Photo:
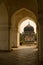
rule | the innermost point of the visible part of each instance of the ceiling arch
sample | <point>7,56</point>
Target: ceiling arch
<point>20,14</point>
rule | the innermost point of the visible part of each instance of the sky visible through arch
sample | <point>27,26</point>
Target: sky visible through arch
<point>25,23</point>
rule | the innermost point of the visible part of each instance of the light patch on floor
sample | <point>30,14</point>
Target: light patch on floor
<point>25,47</point>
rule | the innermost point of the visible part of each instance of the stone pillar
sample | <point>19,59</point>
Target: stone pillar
<point>18,39</point>
<point>3,28</point>
<point>39,42</point>
<point>41,39</point>
<point>13,38</point>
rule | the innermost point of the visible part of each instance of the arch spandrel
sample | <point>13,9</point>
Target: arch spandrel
<point>20,14</point>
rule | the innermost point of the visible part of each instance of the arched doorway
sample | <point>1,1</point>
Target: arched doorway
<point>16,19</point>
<point>29,36</point>
<point>21,14</point>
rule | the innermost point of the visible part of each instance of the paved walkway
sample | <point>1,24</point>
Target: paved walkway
<point>20,56</point>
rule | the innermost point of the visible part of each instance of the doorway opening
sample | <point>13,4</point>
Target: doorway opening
<point>21,22</point>
<point>24,24</point>
<point>28,35</point>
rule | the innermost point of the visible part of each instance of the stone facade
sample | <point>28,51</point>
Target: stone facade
<point>29,33</point>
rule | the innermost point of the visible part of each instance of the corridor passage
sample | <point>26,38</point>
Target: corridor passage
<point>20,56</point>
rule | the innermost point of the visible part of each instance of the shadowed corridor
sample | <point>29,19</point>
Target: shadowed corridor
<point>20,56</point>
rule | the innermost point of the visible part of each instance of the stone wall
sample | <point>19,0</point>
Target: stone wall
<point>3,27</point>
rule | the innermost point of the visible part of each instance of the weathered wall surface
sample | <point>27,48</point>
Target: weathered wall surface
<point>3,27</point>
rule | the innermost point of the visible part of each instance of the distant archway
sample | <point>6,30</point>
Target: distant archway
<point>27,21</point>
<point>24,22</point>
<point>16,19</point>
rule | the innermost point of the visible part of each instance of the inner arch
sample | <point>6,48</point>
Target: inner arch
<point>25,23</point>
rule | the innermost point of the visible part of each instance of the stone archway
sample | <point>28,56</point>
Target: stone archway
<point>15,20</point>
<point>22,22</point>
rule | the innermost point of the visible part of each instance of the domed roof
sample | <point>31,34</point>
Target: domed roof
<point>28,28</point>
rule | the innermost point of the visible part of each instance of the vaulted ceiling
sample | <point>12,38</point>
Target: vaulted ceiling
<point>14,5</point>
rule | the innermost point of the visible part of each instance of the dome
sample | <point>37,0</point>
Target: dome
<point>28,28</point>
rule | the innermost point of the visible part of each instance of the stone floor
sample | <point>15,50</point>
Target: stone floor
<point>20,56</point>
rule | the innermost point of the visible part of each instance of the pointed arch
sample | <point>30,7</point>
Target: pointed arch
<point>16,19</point>
<point>20,14</point>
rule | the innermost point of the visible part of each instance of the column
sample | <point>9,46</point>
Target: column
<point>13,38</point>
<point>41,39</point>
